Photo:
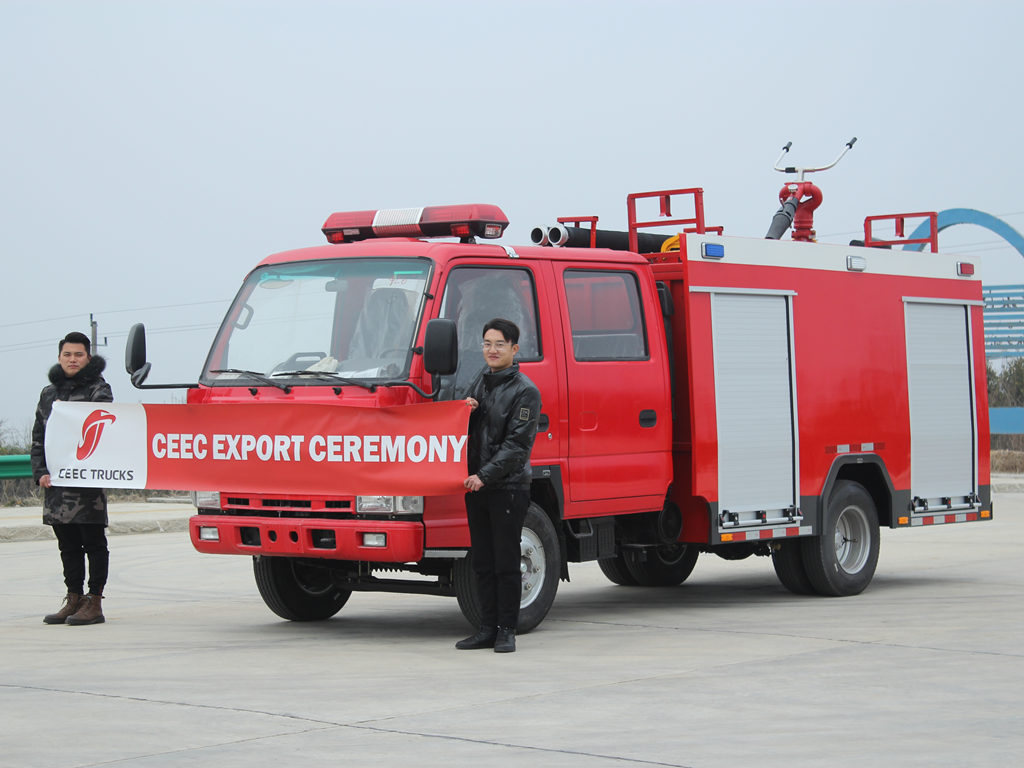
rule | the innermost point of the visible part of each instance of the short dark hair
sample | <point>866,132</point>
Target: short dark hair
<point>508,329</point>
<point>75,338</point>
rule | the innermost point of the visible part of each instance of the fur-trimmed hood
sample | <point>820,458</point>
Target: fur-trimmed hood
<point>92,371</point>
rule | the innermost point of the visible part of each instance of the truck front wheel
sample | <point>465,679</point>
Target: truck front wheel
<point>297,591</point>
<point>539,567</point>
<point>841,561</point>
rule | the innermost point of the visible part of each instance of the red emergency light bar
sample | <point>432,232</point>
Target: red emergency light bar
<point>462,221</point>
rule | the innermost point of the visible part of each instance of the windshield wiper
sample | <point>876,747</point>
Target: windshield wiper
<point>329,376</point>
<point>255,375</point>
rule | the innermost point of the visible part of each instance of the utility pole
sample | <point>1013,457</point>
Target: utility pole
<point>93,326</point>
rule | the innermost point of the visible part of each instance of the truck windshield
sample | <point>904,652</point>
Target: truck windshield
<point>315,321</point>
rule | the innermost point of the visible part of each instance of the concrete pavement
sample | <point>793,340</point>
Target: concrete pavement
<point>729,669</point>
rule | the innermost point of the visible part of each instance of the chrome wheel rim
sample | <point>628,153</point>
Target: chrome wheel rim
<point>852,539</point>
<point>531,566</point>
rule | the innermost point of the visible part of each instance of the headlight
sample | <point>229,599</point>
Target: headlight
<point>205,499</point>
<point>409,505</point>
<point>389,505</point>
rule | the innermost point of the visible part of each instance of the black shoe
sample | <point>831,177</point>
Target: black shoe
<point>505,642</point>
<point>484,638</point>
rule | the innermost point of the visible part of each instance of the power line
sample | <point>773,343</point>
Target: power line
<point>113,312</point>
<point>23,346</point>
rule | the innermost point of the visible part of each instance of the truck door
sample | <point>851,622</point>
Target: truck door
<point>475,294</point>
<point>619,414</point>
<point>943,424</point>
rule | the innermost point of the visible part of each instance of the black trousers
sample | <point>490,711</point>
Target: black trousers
<point>76,542</point>
<point>495,526</point>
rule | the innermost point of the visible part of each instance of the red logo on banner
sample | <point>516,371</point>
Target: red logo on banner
<point>92,429</point>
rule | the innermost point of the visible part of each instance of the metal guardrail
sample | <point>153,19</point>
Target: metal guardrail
<point>15,466</point>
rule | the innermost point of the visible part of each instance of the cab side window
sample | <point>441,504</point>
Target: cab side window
<point>475,295</point>
<point>605,316</point>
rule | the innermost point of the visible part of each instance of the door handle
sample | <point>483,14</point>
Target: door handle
<point>648,418</point>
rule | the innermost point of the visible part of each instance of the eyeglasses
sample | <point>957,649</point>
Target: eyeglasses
<point>497,346</point>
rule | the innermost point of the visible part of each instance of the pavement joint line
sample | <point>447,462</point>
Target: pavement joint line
<point>762,633</point>
<point>327,724</point>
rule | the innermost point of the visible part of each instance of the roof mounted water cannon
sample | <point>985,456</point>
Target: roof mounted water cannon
<point>799,199</point>
<point>465,222</point>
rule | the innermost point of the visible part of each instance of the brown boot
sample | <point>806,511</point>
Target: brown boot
<point>71,604</point>
<point>89,612</point>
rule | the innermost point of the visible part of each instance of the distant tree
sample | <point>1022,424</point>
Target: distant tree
<point>1006,388</point>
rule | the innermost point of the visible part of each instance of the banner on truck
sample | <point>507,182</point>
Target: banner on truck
<point>260,448</point>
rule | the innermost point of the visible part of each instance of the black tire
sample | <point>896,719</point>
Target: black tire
<point>616,571</point>
<point>842,560</point>
<point>297,591</point>
<point>667,565</point>
<point>541,565</point>
<point>789,567</point>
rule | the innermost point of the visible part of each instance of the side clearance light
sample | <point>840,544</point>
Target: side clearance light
<point>965,269</point>
<point>462,221</point>
<point>712,250</point>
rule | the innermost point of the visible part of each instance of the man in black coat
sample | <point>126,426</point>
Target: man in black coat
<point>78,515</point>
<point>502,428</point>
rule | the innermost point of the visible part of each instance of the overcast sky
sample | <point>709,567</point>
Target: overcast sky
<point>153,152</point>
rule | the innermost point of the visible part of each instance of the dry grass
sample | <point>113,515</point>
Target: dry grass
<point>1011,462</point>
<point>23,492</point>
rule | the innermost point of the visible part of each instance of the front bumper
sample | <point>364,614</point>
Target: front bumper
<point>309,537</point>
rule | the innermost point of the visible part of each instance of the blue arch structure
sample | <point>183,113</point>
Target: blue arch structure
<point>953,216</point>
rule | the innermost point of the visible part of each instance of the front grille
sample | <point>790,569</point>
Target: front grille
<point>290,506</point>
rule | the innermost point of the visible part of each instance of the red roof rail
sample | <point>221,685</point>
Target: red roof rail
<point>693,223</point>
<point>900,228</point>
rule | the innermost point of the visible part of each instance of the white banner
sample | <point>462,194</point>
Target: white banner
<point>97,445</point>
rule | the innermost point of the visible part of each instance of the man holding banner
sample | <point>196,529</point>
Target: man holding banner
<point>78,515</point>
<point>505,409</point>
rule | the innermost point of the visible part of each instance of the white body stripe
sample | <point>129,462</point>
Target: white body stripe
<point>797,255</point>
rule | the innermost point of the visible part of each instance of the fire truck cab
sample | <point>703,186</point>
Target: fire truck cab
<point>723,395</point>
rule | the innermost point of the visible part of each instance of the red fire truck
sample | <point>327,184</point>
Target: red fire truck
<point>701,394</point>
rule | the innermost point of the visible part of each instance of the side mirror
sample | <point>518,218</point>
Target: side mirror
<point>136,364</point>
<point>441,347</point>
<point>135,354</point>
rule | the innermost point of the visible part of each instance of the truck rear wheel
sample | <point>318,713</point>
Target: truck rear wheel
<point>842,560</point>
<point>667,565</point>
<point>297,591</point>
<point>616,570</point>
<point>539,566</point>
<point>789,567</point>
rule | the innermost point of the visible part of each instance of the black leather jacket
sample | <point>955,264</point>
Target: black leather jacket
<point>502,428</point>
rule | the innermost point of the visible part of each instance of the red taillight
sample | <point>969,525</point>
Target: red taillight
<point>461,221</point>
